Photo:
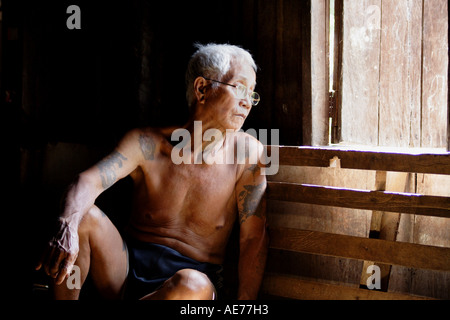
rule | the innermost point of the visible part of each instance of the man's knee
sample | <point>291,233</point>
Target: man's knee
<point>90,221</point>
<point>193,284</point>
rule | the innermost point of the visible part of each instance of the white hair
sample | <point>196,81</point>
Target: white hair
<point>213,61</point>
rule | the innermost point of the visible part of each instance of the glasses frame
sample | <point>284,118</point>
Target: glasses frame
<point>253,100</point>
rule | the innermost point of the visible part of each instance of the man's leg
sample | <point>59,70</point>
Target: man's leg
<point>186,284</point>
<point>102,253</point>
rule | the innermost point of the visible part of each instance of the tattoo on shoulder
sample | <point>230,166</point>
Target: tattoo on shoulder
<point>148,146</point>
<point>108,166</point>
<point>248,201</point>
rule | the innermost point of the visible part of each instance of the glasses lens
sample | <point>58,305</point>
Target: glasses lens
<point>241,91</point>
<point>255,98</point>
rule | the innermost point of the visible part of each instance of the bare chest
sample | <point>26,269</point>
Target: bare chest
<point>169,193</point>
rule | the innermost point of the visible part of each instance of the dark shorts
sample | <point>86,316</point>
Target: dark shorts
<point>150,265</point>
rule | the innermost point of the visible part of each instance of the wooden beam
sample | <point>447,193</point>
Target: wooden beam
<point>374,233</point>
<point>365,160</point>
<point>379,251</point>
<point>295,288</point>
<point>385,225</point>
<point>410,203</point>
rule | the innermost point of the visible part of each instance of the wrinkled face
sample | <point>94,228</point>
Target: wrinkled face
<point>228,111</point>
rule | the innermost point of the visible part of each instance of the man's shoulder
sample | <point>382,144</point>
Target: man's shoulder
<point>244,138</point>
<point>142,138</point>
<point>146,133</point>
<point>247,147</point>
<point>146,139</point>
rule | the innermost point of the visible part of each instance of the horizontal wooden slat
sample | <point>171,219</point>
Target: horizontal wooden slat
<point>366,160</point>
<point>379,251</point>
<point>360,199</point>
<point>294,288</point>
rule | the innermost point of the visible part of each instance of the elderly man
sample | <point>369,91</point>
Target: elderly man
<point>183,213</point>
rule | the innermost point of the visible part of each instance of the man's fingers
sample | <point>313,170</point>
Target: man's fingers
<point>47,260</point>
<point>55,263</point>
<point>64,271</point>
<point>60,254</point>
<point>66,266</point>
<point>45,256</point>
<point>43,259</point>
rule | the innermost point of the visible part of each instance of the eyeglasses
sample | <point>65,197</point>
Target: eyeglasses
<point>241,92</point>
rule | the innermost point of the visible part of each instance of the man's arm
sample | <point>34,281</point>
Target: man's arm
<point>62,250</point>
<point>253,235</point>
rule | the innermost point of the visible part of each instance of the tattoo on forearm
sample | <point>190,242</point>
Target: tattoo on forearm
<point>148,147</point>
<point>107,168</point>
<point>249,200</point>
<point>255,170</point>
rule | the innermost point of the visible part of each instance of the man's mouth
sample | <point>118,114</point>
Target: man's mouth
<point>240,115</point>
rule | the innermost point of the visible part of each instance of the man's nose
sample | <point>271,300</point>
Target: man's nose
<point>245,102</point>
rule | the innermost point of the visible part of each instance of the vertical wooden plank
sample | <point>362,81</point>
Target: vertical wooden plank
<point>336,99</point>
<point>435,70</point>
<point>385,225</point>
<point>435,134</point>
<point>400,73</point>
<point>292,68</point>
<point>448,77</point>
<point>265,52</point>
<point>306,53</point>
<point>248,23</point>
<point>283,47</point>
<point>375,224</point>
<point>361,71</point>
<point>315,124</point>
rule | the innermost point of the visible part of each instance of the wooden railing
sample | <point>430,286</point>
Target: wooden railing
<point>378,251</point>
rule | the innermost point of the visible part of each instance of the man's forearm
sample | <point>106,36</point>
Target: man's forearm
<point>252,262</point>
<point>78,199</point>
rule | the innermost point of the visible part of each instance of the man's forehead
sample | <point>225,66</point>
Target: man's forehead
<point>244,72</point>
<point>250,81</point>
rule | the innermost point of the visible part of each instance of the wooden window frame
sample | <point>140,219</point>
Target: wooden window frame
<point>330,106</point>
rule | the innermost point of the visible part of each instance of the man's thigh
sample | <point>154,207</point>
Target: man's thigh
<point>108,256</point>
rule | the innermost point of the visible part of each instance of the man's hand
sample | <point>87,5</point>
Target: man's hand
<point>61,253</point>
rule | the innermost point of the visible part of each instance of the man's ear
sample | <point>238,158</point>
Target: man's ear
<point>200,85</point>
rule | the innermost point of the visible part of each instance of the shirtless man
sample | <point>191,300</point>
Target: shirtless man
<point>182,213</point>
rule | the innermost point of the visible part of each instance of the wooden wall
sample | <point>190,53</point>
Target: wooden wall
<point>126,65</point>
<point>394,76</point>
<point>276,32</point>
<point>125,68</point>
<point>76,92</point>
